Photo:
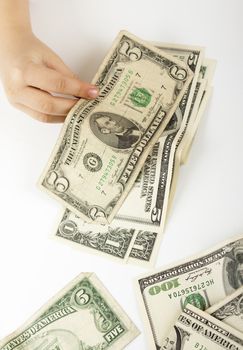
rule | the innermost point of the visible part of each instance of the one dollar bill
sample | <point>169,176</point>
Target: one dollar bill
<point>113,241</point>
<point>195,329</point>
<point>104,142</point>
<point>202,280</point>
<point>82,316</point>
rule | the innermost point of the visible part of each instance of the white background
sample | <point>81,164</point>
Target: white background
<point>208,202</point>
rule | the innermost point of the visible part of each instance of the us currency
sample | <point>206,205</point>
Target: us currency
<point>81,316</point>
<point>183,135</point>
<point>198,105</point>
<point>104,142</point>
<point>187,108</point>
<point>171,160</point>
<point>195,329</point>
<point>108,240</point>
<point>173,163</point>
<point>200,101</point>
<point>155,197</point>
<point>205,79</point>
<point>206,74</point>
<point>143,207</point>
<point>201,111</point>
<point>202,280</point>
<point>230,310</point>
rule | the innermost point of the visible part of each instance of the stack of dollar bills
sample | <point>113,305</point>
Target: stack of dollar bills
<point>116,161</point>
<point>196,303</point>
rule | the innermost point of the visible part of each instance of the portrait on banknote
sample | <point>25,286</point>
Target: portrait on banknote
<point>234,269</point>
<point>114,130</point>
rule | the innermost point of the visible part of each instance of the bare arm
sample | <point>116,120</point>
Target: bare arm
<point>30,70</point>
<point>14,13</point>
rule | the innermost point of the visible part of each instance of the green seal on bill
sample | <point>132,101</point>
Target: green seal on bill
<point>140,97</point>
<point>196,300</point>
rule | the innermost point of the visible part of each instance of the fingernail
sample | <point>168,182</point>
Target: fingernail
<point>93,92</point>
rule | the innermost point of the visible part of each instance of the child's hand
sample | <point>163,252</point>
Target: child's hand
<point>30,71</point>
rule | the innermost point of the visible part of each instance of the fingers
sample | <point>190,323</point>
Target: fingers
<point>48,79</point>
<point>42,117</point>
<point>44,102</point>
<point>29,88</point>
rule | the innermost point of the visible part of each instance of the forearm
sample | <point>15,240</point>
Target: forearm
<point>14,17</point>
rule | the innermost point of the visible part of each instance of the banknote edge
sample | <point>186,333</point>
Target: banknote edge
<point>224,301</point>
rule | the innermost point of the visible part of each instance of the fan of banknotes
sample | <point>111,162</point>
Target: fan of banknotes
<point>116,161</point>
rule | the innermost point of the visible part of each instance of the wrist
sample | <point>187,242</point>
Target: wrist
<point>14,37</point>
<point>14,17</point>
